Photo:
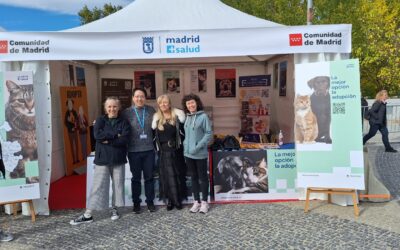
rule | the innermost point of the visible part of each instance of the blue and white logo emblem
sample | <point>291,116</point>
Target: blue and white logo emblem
<point>148,45</point>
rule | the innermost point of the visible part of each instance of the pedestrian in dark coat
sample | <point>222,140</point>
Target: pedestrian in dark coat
<point>377,120</point>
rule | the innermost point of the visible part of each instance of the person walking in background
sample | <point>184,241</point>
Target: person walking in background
<point>168,124</point>
<point>70,122</point>
<point>111,132</point>
<point>82,130</point>
<point>378,121</point>
<point>141,153</point>
<point>198,133</point>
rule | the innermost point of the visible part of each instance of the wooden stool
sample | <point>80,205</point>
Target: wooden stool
<point>329,192</point>
<point>14,207</point>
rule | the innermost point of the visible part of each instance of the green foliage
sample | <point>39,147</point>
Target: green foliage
<point>86,15</point>
<point>375,32</point>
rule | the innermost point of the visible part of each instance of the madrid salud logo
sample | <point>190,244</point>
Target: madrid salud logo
<point>295,39</point>
<point>3,46</point>
<point>148,44</point>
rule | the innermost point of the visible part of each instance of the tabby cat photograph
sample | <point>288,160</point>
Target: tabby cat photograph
<point>20,115</point>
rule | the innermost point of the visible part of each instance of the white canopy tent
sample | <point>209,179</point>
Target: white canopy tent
<point>159,32</point>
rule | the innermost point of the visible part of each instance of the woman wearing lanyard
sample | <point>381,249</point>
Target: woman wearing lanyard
<point>141,153</point>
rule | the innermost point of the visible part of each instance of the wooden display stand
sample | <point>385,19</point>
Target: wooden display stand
<point>14,207</point>
<point>329,192</point>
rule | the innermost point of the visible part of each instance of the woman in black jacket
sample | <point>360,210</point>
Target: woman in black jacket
<point>377,120</point>
<point>111,132</point>
<point>168,126</point>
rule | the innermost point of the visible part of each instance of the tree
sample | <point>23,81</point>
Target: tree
<point>375,39</point>
<point>375,32</point>
<point>86,15</point>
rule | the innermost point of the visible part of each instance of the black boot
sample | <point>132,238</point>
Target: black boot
<point>170,205</point>
<point>179,206</point>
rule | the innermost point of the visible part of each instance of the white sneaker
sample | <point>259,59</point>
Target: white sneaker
<point>4,237</point>
<point>196,207</point>
<point>204,207</point>
<point>114,214</point>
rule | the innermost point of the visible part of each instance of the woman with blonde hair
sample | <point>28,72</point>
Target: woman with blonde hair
<point>377,120</point>
<point>168,125</point>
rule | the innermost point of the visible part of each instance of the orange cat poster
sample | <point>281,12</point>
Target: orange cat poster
<point>74,110</point>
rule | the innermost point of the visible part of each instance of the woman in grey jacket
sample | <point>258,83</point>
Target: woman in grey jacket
<point>198,133</point>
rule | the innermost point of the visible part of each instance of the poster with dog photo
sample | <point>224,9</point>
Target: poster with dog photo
<point>147,81</point>
<point>328,128</point>
<point>171,81</point>
<point>240,175</point>
<point>313,109</point>
<point>19,168</point>
<point>225,83</point>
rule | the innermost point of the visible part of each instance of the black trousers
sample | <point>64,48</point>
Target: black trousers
<point>142,162</point>
<point>198,169</point>
<point>372,132</point>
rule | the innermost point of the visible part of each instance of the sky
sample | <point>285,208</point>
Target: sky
<point>46,15</point>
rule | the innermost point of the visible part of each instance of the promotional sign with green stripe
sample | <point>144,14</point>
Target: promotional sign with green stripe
<point>328,125</point>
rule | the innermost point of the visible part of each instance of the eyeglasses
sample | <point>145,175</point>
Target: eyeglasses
<point>139,97</point>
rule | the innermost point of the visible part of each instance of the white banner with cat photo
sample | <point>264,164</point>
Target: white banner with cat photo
<point>328,129</point>
<point>19,175</point>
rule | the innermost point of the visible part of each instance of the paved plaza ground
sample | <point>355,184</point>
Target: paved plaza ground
<point>281,225</point>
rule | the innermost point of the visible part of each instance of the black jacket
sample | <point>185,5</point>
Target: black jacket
<point>111,141</point>
<point>378,113</point>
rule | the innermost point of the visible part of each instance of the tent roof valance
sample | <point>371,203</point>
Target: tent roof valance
<point>161,15</point>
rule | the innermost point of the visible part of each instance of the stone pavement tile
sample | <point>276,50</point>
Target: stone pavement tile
<point>383,215</point>
<point>230,226</point>
<point>387,167</point>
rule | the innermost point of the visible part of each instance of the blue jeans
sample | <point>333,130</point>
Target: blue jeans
<point>142,162</point>
<point>373,129</point>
